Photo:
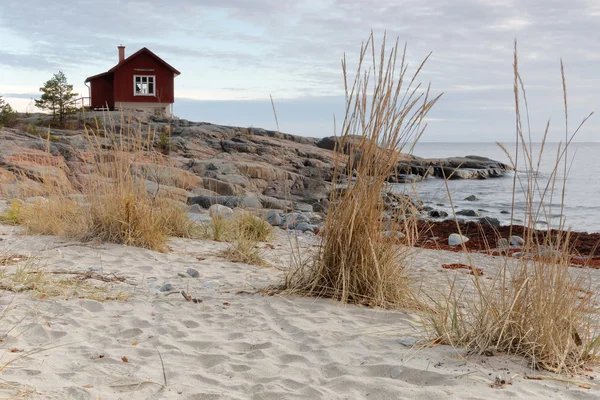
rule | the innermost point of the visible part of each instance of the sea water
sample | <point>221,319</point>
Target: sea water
<point>581,207</point>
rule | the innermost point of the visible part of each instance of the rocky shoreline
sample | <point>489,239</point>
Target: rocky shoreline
<point>209,164</point>
<point>284,177</point>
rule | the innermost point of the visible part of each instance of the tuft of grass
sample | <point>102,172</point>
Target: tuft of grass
<point>246,225</point>
<point>244,250</point>
<point>536,307</point>
<point>28,276</point>
<point>254,228</point>
<point>118,207</point>
<point>221,228</point>
<point>13,215</point>
<point>32,129</point>
<point>355,262</point>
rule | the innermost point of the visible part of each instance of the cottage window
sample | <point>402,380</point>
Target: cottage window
<point>143,85</point>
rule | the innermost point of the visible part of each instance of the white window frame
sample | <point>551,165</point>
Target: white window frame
<point>153,94</point>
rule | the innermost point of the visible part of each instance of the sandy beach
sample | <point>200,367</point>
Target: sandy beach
<point>236,343</point>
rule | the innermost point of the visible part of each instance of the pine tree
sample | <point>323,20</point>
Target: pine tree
<point>7,115</point>
<point>56,97</point>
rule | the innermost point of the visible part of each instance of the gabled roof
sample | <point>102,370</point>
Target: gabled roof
<point>131,57</point>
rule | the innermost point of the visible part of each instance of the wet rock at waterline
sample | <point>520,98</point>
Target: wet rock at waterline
<point>437,214</point>
<point>472,198</point>
<point>468,213</point>
<point>489,221</point>
<point>468,167</point>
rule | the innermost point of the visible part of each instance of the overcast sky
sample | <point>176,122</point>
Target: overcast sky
<point>233,54</point>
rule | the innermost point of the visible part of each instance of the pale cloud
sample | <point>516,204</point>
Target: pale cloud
<point>241,50</point>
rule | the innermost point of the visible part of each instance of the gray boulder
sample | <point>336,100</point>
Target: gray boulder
<point>305,227</point>
<point>489,221</point>
<point>218,210</point>
<point>472,198</point>
<point>468,213</point>
<point>229,201</point>
<point>292,219</point>
<point>273,218</point>
<point>455,239</point>
<point>303,207</point>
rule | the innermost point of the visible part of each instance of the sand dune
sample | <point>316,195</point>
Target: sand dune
<point>236,344</point>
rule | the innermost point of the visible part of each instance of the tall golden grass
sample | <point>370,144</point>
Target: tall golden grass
<point>119,201</point>
<point>385,110</point>
<point>535,306</point>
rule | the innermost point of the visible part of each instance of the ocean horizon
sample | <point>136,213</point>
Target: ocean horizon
<point>581,211</point>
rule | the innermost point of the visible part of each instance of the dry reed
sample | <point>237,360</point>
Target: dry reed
<point>384,111</point>
<point>536,306</point>
<point>120,201</point>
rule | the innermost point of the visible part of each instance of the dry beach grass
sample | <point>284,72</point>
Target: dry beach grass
<point>356,262</point>
<point>534,306</point>
<point>117,204</point>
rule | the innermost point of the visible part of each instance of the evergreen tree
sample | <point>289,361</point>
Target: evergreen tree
<point>7,115</point>
<point>57,96</point>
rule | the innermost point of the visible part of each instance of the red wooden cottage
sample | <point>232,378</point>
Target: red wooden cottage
<point>143,81</point>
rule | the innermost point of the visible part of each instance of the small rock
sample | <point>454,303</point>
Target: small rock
<point>502,244</point>
<point>182,275</point>
<point>397,235</point>
<point>504,212</point>
<point>472,198</point>
<point>218,210</point>
<point>303,207</point>
<point>489,221</point>
<point>193,272</point>
<point>96,269</point>
<point>166,287</point>
<point>273,218</point>
<point>516,241</point>
<point>455,239</point>
<point>407,341</point>
<point>291,220</point>
<point>305,226</point>
<point>438,214</point>
<point>468,213</point>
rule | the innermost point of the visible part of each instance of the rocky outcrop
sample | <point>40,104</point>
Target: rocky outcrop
<point>208,164</point>
<point>468,167</point>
